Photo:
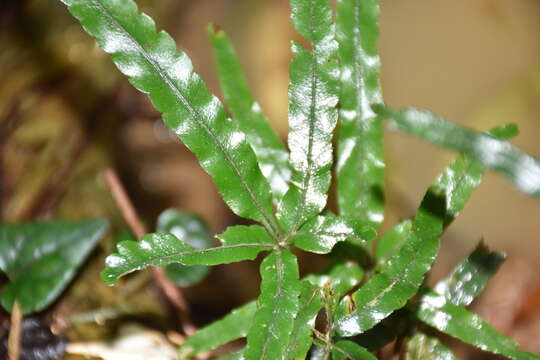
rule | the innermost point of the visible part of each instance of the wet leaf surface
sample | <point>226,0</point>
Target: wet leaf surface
<point>360,157</point>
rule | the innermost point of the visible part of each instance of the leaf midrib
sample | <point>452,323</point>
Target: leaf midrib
<point>307,178</point>
<point>201,251</point>
<point>197,117</point>
<point>361,93</point>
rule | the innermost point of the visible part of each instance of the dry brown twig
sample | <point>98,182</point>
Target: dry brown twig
<point>167,287</point>
<point>14,340</point>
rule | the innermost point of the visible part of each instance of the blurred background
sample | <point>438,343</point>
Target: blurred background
<point>66,114</point>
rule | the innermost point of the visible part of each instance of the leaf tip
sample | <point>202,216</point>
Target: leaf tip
<point>215,31</point>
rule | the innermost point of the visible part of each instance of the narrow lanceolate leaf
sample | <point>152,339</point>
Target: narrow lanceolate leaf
<point>456,185</point>
<point>437,311</point>
<point>154,66</point>
<point>463,176</point>
<point>238,243</point>
<point>424,347</point>
<point>522,169</point>
<point>193,231</point>
<point>270,151</point>
<point>399,278</point>
<point>348,350</point>
<point>277,307</point>
<point>360,158</point>
<point>470,277</point>
<point>41,258</point>
<point>233,326</point>
<point>311,300</point>
<point>313,96</point>
<point>321,233</point>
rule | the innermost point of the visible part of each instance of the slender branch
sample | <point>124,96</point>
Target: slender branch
<point>167,287</point>
<point>14,340</point>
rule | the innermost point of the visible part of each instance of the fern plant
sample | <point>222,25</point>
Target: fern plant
<point>334,83</point>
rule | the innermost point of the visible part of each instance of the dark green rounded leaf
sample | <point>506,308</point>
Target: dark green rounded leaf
<point>40,259</point>
<point>192,230</point>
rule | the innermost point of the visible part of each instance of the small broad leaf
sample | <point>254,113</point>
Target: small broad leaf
<point>277,307</point>
<point>470,277</point>
<point>313,96</point>
<point>360,158</point>
<point>40,259</point>
<point>522,169</point>
<point>186,275</point>
<point>437,311</point>
<point>424,347</point>
<point>233,326</point>
<point>392,241</point>
<point>192,230</point>
<point>270,151</point>
<point>348,350</point>
<point>321,233</point>
<point>238,243</point>
<point>154,66</point>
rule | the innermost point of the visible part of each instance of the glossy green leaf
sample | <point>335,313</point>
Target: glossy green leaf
<point>313,96</point>
<point>424,347</point>
<point>522,169</point>
<point>41,258</point>
<point>154,66</point>
<point>238,243</point>
<point>392,241</point>
<point>456,184</point>
<point>311,301</point>
<point>321,233</point>
<point>360,157</point>
<point>186,275</point>
<point>463,176</point>
<point>233,326</point>
<point>348,350</point>
<point>400,277</point>
<point>192,230</point>
<point>277,307</point>
<point>470,277</point>
<point>437,311</point>
<point>270,151</point>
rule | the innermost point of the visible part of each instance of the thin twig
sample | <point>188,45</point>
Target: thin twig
<point>14,340</point>
<point>167,287</point>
